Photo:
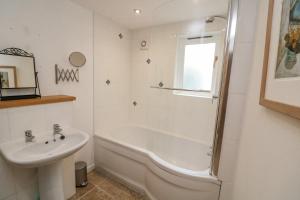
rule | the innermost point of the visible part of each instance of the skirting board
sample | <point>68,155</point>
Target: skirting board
<point>90,167</point>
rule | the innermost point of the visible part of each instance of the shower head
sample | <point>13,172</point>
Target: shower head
<point>211,19</point>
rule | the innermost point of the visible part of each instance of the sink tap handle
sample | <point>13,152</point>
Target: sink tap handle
<point>28,133</point>
<point>56,126</point>
<point>28,136</point>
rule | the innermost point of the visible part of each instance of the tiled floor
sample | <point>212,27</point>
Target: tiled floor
<point>101,187</point>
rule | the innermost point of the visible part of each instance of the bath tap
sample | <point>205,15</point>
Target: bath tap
<point>210,152</point>
<point>57,131</point>
<point>28,136</point>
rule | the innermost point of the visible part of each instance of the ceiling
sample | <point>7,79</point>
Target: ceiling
<point>155,12</point>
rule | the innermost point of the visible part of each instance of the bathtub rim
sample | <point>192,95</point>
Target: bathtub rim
<point>169,168</point>
<point>176,135</point>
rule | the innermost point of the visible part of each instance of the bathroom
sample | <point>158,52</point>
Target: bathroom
<point>114,87</point>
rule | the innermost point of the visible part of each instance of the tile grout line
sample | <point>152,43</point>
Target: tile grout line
<point>89,191</point>
<point>86,193</point>
<point>99,188</point>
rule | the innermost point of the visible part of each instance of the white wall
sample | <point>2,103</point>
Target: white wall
<point>112,62</point>
<point>268,165</point>
<point>51,30</point>
<point>188,116</point>
<point>123,63</point>
<point>239,81</point>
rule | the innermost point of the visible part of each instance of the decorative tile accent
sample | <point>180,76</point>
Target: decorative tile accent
<point>107,82</point>
<point>161,84</point>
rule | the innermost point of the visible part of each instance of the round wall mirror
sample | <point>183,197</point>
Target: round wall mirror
<point>77,59</point>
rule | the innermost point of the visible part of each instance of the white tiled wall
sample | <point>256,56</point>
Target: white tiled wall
<point>123,63</point>
<point>111,62</point>
<point>18,182</point>
<point>239,81</point>
<point>187,116</point>
<point>267,164</point>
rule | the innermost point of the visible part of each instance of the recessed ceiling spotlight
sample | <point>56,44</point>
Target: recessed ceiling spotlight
<point>137,11</point>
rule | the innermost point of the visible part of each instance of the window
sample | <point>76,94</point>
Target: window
<point>196,59</point>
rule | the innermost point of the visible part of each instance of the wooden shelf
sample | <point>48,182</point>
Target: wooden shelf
<point>36,101</point>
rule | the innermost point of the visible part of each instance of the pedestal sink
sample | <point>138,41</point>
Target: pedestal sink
<point>47,156</point>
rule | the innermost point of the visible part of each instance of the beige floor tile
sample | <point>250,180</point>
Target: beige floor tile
<point>97,194</point>
<point>80,191</point>
<point>96,178</point>
<point>101,187</point>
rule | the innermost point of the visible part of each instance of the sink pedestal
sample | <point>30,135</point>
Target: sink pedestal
<point>48,157</point>
<point>51,181</point>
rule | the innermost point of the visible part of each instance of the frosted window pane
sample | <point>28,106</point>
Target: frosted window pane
<point>198,66</point>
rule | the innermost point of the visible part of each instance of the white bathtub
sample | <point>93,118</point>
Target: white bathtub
<point>166,167</point>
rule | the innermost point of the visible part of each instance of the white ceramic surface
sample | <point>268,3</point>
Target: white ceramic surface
<point>38,153</point>
<point>165,166</point>
<point>180,153</point>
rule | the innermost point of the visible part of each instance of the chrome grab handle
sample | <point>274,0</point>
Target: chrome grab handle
<point>178,89</point>
<point>214,97</point>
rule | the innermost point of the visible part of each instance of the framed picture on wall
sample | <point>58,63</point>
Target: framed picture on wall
<point>280,84</point>
<point>8,77</point>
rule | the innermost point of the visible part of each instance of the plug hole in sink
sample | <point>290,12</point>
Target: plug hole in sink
<point>46,142</point>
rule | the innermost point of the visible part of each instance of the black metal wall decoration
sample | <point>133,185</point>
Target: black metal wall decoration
<point>77,60</point>
<point>62,75</point>
<point>16,52</point>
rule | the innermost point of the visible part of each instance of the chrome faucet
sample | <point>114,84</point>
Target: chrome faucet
<point>28,136</point>
<point>57,130</point>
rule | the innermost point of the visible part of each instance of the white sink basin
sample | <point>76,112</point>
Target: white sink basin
<point>43,151</point>
<point>46,155</point>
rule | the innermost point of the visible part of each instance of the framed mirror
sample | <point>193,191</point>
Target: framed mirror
<point>18,73</point>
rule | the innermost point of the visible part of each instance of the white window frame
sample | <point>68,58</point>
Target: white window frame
<point>179,72</point>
